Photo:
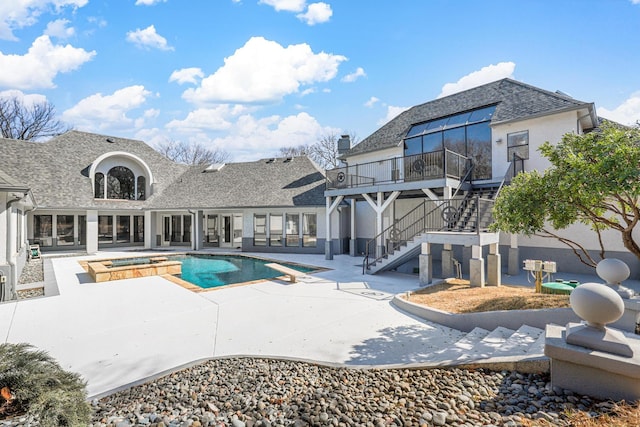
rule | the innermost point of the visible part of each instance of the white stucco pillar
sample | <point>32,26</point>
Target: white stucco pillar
<point>328,246</point>
<point>353,243</point>
<point>148,230</point>
<point>476,267</point>
<point>92,231</point>
<point>198,233</point>
<point>494,267</point>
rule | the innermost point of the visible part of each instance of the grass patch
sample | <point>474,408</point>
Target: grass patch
<point>457,296</point>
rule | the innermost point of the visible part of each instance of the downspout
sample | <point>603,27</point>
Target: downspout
<point>10,262</point>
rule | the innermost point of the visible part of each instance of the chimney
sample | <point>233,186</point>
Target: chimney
<point>344,144</point>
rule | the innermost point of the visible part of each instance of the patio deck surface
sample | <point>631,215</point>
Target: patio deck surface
<point>116,333</point>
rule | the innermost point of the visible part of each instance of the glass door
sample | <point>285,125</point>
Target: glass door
<point>227,224</point>
<point>166,230</point>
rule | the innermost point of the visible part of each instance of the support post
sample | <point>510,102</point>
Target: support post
<point>353,242</point>
<point>476,267</point>
<point>148,230</point>
<point>514,256</point>
<point>447,261</point>
<point>426,270</point>
<point>328,244</point>
<point>494,269</point>
<point>92,232</point>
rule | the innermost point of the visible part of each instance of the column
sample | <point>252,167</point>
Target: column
<point>494,267</point>
<point>514,256</point>
<point>476,267</point>
<point>447,261</point>
<point>148,230</point>
<point>328,246</point>
<point>92,232</point>
<point>199,232</point>
<point>353,243</point>
<point>426,270</point>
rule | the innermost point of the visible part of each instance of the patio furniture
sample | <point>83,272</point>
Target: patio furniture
<point>34,251</point>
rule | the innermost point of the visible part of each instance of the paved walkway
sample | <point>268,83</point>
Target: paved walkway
<point>118,332</point>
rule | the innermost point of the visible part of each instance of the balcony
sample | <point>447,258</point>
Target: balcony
<point>420,167</point>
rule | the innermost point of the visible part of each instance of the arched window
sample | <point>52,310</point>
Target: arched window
<point>121,183</point>
<point>142,182</point>
<point>98,191</point>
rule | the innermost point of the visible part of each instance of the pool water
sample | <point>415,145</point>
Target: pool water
<point>210,271</point>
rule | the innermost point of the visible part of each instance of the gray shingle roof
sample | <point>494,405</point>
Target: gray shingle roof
<point>514,101</point>
<point>278,183</point>
<point>57,170</point>
<point>8,183</point>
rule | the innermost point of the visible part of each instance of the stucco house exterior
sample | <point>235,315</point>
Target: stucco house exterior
<point>421,188</point>
<point>96,192</point>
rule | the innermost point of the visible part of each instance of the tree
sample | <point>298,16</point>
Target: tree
<point>324,151</point>
<point>29,122</point>
<point>191,154</point>
<point>594,179</point>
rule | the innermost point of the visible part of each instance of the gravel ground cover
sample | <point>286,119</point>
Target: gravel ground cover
<point>32,272</point>
<point>250,392</point>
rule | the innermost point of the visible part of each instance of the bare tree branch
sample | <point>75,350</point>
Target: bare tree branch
<point>29,122</point>
<point>191,154</point>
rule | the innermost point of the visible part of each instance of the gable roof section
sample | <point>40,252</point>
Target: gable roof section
<point>9,184</point>
<point>57,170</point>
<point>264,183</point>
<point>514,101</point>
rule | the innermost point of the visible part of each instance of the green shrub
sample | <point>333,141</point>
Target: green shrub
<point>42,388</point>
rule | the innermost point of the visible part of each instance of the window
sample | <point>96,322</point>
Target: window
<point>275,230</point>
<point>43,229</point>
<point>142,183</point>
<point>518,144</point>
<point>259,230</point>
<point>309,230</point>
<point>121,183</point>
<point>64,230</point>
<point>467,133</point>
<point>82,230</point>
<point>176,228</point>
<point>186,228</point>
<point>99,186</point>
<point>212,229</point>
<point>138,229</point>
<point>105,229</point>
<point>123,229</point>
<point>293,230</point>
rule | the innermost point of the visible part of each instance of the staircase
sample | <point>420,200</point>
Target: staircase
<point>480,344</point>
<point>402,241</point>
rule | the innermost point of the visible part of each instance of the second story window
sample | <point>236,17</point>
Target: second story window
<point>518,144</point>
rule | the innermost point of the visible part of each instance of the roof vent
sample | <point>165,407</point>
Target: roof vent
<point>270,161</point>
<point>287,160</point>
<point>559,92</point>
<point>215,167</point>
<point>110,141</point>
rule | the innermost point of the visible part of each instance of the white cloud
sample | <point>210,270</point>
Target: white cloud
<point>40,65</point>
<point>286,5</point>
<point>308,91</point>
<point>99,112</point>
<point>148,38</point>
<point>627,113</point>
<point>24,13</point>
<point>317,13</point>
<point>186,75</point>
<point>26,99</point>
<point>255,138</point>
<point>263,71</point>
<point>217,118</point>
<point>485,75</point>
<point>59,29</point>
<point>371,102</point>
<point>349,78</point>
<point>148,2</point>
<point>392,112</point>
<point>635,1</point>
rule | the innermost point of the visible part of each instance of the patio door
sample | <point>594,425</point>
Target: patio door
<point>226,235</point>
<point>166,230</point>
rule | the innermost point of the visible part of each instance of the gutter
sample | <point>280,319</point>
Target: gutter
<point>548,113</point>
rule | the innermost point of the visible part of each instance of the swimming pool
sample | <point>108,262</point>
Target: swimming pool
<point>210,271</point>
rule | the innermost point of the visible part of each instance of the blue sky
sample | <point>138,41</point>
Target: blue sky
<point>250,76</point>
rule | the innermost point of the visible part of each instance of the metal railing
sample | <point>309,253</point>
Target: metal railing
<point>471,213</point>
<point>418,167</point>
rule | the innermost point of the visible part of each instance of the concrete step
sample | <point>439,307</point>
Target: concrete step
<point>463,346</point>
<point>488,346</point>
<point>521,340</point>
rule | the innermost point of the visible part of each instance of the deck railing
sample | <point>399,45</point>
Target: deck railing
<point>418,167</point>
